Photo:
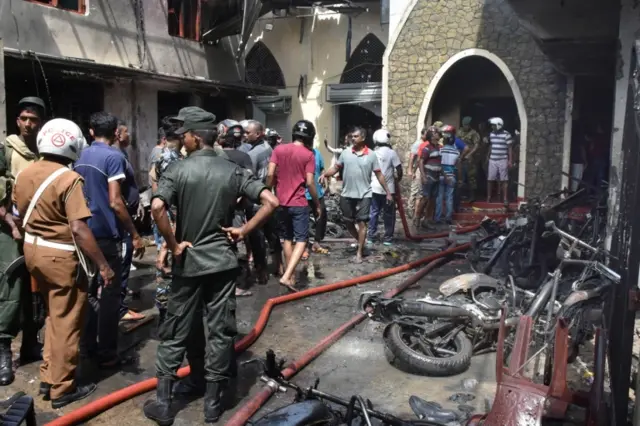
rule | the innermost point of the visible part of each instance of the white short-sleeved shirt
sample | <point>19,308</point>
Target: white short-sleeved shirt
<point>388,160</point>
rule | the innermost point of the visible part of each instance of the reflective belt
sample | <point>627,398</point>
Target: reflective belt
<point>32,239</point>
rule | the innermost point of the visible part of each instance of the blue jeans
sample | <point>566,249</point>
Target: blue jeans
<point>127,259</point>
<point>379,205</point>
<point>446,189</point>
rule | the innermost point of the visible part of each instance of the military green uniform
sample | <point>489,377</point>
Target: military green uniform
<point>471,138</point>
<point>204,281</point>
<point>16,307</point>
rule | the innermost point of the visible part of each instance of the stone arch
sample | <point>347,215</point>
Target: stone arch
<point>515,89</point>
<point>365,63</point>
<point>262,68</point>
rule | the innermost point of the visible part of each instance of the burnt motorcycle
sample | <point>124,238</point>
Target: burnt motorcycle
<point>312,407</point>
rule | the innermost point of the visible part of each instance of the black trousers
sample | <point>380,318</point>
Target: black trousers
<point>100,337</point>
<point>268,233</point>
<point>321,224</point>
<point>200,309</point>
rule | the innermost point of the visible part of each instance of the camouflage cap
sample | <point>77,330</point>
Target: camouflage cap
<point>466,121</point>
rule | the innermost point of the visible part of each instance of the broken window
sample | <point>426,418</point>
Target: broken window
<point>184,18</point>
<point>71,5</point>
<point>262,68</point>
<point>365,63</point>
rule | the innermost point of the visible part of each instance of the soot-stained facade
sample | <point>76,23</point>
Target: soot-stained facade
<point>434,32</point>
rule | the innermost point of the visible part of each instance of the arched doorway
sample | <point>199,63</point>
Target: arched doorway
<point>477,83</point>
<point>363,70</point>
<point>262,68</point>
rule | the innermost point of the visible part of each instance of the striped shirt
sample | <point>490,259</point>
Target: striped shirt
<point>500,142</point>
<point>449,158</point>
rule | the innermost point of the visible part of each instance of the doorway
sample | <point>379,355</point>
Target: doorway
<point>355,115</point>
<point>474,86</point>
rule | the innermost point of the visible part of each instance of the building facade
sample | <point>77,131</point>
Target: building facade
<point>140,60</point>
<point>326,66</point>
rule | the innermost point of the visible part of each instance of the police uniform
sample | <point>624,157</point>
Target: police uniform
<point>16,307</point>
<point>49,197</point>
<point>52,261</point>
<point>204,280</point>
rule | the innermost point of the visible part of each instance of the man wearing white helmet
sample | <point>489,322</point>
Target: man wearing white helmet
<point>500,158</point>
<point>389,163</point>
<point>49,198</point>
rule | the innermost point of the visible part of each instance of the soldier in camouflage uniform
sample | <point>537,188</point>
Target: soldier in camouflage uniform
<point>16,301</point>
<point>471,161</point>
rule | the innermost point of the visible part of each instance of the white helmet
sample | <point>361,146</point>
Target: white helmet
<point>244,124</point>
<point>381,137</point>
<point>61,137</point>
<point>497,121</point>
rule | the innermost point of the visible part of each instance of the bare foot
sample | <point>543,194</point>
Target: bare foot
<point>290,284</point>
<point>132,316</point>
<point>358,259</point>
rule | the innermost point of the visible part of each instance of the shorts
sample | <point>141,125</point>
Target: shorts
<point>355,209</point>
<point>498,170</point>
<point>293,223</point>
<point>430,189</point>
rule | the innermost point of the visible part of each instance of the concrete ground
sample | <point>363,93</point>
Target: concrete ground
<point>354,365</point>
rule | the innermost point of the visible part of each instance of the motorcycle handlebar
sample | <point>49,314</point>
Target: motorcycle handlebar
<point>552,225</point>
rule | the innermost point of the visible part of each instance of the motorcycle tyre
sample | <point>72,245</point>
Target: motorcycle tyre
<point>406,359</point>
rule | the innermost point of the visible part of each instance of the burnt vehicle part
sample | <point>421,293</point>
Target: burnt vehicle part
<point>521,402</point>
<point>311,407</point>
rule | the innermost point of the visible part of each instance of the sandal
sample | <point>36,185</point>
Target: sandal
<point>305,255</point>
<point>243,293</point>
<point>132,316</point>
<point>319,250</point>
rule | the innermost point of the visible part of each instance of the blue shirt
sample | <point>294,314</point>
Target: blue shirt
<point>130,190</point>
<point>100,164</point>
<point>460,145</point>
<point>319,169</point>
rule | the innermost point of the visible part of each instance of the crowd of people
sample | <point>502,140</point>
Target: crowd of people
<point>68,205</point>
<point>445,161</point>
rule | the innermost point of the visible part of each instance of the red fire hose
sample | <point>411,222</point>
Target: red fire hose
<point>241,417</point>
<point>100,405</point>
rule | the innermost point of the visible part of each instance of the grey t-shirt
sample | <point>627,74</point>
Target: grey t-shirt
<point>260,155</point>
<point>356,169</point>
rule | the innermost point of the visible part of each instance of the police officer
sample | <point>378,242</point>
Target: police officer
<point>205,267</point>
<point>50,201</point>
<point>17,152</point>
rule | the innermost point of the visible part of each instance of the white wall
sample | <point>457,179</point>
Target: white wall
<point>321,57</point>
<point>396,10</point>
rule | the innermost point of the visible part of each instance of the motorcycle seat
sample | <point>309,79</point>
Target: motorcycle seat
<point>310,412</point>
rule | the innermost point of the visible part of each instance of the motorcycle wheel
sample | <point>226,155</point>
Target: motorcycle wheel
<point>405,349</point>
<point>334,231</point>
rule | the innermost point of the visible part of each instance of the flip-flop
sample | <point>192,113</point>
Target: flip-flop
<point>243,293</point>
<point>290,287</point>
<point>319,250</point>
<point>132,316</point>
<point>305,255</point>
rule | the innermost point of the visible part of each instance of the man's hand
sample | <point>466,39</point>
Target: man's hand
<point>322,180</point>
<point>138,247</point>
<point>410,174</point>
<point>318,211</point>
<point>16,234</point>
<point>389,198</point>
<point>234,234</point>
<point>179,250</point>
<point>107,275</point>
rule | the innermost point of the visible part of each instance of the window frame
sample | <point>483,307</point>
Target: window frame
<point>181,20</point>
<point>82,6</point>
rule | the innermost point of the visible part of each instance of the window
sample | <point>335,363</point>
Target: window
<point>365,64</point>
<point>262,68</point>
<point>184,18</point>
<point>71,5</point>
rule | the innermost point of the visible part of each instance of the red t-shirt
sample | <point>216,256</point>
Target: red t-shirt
<point>294,162</point>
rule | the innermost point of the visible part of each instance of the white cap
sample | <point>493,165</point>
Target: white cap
<point>381,136</point>
<point>497,121</point>
<point>61,137</point>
